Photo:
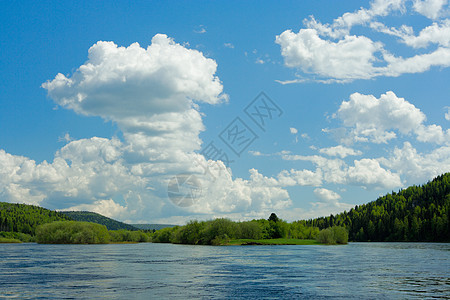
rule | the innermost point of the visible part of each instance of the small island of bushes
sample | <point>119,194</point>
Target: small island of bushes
<point>272,231</point>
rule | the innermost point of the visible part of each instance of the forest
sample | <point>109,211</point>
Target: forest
<point>25,218</point>
<point>414,214</point>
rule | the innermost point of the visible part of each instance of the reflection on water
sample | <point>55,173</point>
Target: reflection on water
<point>140,271</point>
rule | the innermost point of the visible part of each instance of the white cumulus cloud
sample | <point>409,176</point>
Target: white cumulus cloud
<point>366,173</point>
<point>326,195</point>
<point>378,120</point>
<point>347,59</point>
<point>417,167</point>
<point>330,53</point>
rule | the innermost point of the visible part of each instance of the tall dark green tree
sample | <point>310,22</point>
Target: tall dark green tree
<point>273,217</point>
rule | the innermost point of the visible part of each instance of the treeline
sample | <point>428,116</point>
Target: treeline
<point>25,218</point>
<point>418,213</point>
<point>87,216</point>
<point>76,232</point>
<point>220,231</point>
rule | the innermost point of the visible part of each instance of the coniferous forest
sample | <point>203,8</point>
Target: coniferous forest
<point>25,218</point>
<point>415,214</point>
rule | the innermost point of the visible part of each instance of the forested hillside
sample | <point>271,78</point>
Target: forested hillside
<point>87,216</point>
<point>25,218</point>
<point>418,213</point>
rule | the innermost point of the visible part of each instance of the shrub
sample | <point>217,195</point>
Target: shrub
<point>220,240</point>
<point>340,234</point>
<point>220,229</point>
<point>333,235</point>
<point>326,236</point>
<point>164,235</point>
<point>249,230</point>
<point>72,232</point>
<point>189,233</point>
<point>123,235</point>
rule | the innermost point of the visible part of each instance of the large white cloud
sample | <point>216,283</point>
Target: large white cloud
<point>150,93</point>
<point>120,82</point>
<point>329,52</point>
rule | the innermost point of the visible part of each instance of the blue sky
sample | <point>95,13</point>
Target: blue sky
<point>111,107</point>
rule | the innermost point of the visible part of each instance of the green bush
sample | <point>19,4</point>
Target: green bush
<point>220,229</point>
<point>72,232</point>
<point>333,235</point>
<point>340,234</point>
<point>122,235</point>
<point>326,236</point>
<point>220,240</point>
<point>189,233</point>
<point>164,235</point>
<point>249,230</point>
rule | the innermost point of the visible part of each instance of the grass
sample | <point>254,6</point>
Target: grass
<point>242,242</point>
<point>7,240</point>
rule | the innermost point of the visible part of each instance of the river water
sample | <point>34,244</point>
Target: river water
<point>165,271</point>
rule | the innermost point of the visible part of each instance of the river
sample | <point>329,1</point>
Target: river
<point>166,271</point>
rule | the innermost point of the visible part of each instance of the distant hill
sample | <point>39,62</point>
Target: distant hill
<point>152,226</point>
<point>418,213</point>
<point>25,218</point>
<point>87,216</point>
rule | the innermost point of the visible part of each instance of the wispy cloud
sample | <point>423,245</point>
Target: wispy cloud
<point>200,29</point>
